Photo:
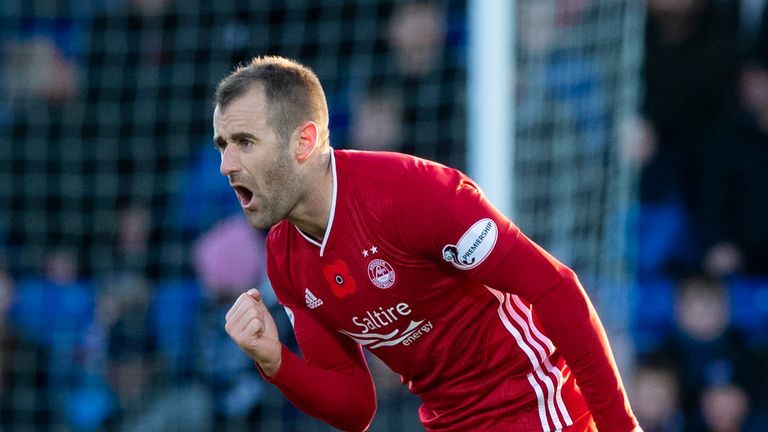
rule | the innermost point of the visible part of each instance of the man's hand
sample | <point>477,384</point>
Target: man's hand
<point>251,326</point>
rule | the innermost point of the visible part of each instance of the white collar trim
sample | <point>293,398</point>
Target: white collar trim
<point>330,217</point>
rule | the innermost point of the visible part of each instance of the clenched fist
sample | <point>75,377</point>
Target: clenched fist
<point>251,326</point>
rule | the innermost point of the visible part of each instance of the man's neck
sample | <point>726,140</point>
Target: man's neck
<point>314,212</point>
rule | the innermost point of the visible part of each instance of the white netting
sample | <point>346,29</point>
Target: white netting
<point>577,86</point>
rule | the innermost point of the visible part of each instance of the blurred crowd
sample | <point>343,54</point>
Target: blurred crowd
<point>131,336</point>
<point>701,306</point>
<point>112,306</point>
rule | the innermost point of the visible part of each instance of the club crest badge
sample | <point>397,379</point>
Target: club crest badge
<point>381,273</point>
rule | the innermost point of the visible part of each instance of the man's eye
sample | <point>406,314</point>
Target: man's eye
<point>245,143</point>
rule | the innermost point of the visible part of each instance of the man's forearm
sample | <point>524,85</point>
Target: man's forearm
<point>344,398</point>
<point>571,322</point>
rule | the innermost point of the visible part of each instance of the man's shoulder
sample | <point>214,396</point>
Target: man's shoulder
<point>278,253</point>
<point>391,167</point>
<point>373,163</point>
<point>277,235</point>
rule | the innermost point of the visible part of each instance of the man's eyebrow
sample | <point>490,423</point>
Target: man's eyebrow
<point>238,136</point>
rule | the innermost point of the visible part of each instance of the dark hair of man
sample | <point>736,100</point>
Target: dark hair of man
<point>293,92</point>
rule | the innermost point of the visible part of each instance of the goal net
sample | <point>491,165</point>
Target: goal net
<point>112,283</point>
<point>577,90</point>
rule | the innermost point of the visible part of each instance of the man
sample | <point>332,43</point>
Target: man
<point>407,258</point>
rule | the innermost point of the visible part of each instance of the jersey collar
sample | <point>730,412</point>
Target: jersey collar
<point>333,211</point>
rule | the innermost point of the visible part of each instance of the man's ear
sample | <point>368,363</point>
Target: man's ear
<point>307,140</point>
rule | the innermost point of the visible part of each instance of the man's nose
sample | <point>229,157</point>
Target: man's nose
<point>230,161</point>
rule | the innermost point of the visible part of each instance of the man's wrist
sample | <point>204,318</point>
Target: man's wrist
<point>270,369</point>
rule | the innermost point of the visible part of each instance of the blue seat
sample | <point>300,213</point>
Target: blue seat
<point>653,312</point>
<point>749,307</point>
<point>53,315</point>
<point>174,315</point>
<point>663,237</point>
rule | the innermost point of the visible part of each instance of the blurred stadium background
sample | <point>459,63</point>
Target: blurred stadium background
<point>121,246</point>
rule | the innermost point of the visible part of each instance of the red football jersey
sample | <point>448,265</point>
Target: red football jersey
<point>418,267</point>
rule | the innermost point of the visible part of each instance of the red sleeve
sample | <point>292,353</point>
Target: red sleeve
<point>568,318</point>
<point>332,382</point>
<point>462,228</point>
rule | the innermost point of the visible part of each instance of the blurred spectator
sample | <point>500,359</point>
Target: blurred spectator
<point>417,33</point>
<point>41,58</point>
<point>60,325</point>
<point>141,89</point>
<point>428,69</point>
<point>377,121</point>
<point>705,349</point>
<point>173,314</point>
<point>690,79</point>
<point>40,71</point>
<point>655,397</point>
<point>209,381</point>
<point>229,259</point>
<point>666,243</point>
<point>652,312</point>
<point>130,361</point>
<point>733,193</point>
<point>39,62</point>
<point>133,62</point>
<point>173,398</point>
<point>123,310</point>
<point>123,318</point>
<point>39,83</point>
<point>724,408</point>
<point>55,311</point>
<point>205,196</point>
<point>690,76</point>
<point>23,370</point>
<point>132,239</point>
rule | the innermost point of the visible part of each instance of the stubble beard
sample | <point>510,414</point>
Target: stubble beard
<point>280,190</point>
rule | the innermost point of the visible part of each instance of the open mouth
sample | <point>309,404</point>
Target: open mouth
<point>244,194</point>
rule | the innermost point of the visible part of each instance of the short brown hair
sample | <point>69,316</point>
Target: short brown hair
<point>293,91</point>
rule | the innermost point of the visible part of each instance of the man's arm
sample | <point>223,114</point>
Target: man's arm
<point>468,235</point>
<point>569,319</point>
<point>332,383</point>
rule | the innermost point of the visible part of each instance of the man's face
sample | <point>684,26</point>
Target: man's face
<point>259,165</point>
<point>754,89</point>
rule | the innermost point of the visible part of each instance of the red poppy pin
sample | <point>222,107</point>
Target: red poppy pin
<point>337,275</point>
